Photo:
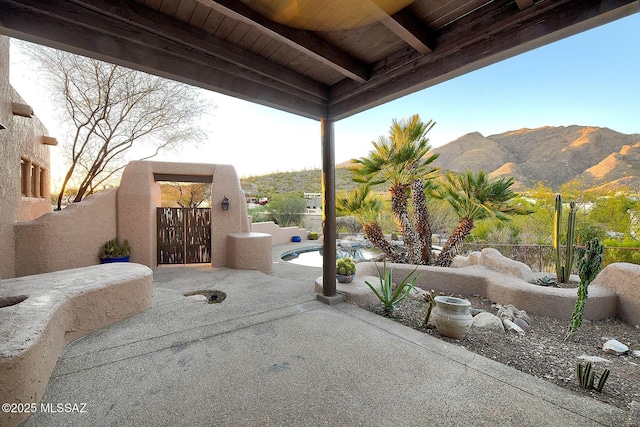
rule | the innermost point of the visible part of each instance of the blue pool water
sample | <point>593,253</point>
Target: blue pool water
<point>312,256</point>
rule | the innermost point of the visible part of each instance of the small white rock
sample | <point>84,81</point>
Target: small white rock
<point>593,359</point>
<point>512,327</point>
<point>636,353</point>
<point>615,347</point>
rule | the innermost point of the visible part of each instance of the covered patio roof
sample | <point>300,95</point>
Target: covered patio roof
<point>324,60</point>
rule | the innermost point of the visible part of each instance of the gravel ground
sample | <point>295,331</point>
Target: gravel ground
<point>543,352</point>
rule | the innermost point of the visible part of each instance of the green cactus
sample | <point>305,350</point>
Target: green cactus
<point>563,272</point>
<point>589,265</point>
<point>346,266</point>
<point>113,249</point>
<point>586,377</point>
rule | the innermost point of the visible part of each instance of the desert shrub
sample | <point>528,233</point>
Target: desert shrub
<point>627,250</point>
<point>287,210</point>
<point>495,233</point>
<point>260,214</point>
<point>348,224</point>
<point>586,232</point>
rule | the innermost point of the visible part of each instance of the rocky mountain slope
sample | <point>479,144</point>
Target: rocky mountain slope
<point>598,157</point>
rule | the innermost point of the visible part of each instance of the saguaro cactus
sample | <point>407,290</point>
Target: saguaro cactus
<point>563,271</point>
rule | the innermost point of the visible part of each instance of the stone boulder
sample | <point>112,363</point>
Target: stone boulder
<point>488,321</point>
<point>493,259</point>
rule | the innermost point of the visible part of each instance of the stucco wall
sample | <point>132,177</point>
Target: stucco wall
<point>279,235</point>
<point>139,196</point>
<point>9,173</point>
<point>624,279</point>
<point>28,132</point>
<point>22,138</point>
<point>66,239</point>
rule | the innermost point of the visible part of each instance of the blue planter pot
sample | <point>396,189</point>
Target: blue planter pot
<point>296,239</point>
<point>345,278</point>
<point>119,259</point>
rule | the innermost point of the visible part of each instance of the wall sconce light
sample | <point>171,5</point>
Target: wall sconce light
<point>225,204</point>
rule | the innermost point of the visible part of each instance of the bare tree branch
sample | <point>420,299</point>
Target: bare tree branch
<point>113,110</point>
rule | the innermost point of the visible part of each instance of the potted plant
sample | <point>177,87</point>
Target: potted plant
<point>113,251</point>
<point>345,270</point>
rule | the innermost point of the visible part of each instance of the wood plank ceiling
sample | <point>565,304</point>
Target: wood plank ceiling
<point>316,58</point>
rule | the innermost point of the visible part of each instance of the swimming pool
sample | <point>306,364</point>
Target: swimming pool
<point>312,256</point>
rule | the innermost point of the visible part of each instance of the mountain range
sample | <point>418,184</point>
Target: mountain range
<point>597,157</point>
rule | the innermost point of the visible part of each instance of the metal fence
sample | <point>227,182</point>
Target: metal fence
<point>540,257</point>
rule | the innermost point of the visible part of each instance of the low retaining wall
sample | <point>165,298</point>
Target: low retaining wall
<point>279,235</point>
<point>498,287</point>
<point>624,279</point>
<point>61,307</point>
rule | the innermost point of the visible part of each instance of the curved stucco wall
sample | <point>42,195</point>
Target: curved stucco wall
<point>61,306</point>
<point>624,279</point>
<point>504,289</point>
<point>139,196</point>
<point>66,239</point>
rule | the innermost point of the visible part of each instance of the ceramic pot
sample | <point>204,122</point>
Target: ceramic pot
<point>345,278</point>
<point>451,316</point>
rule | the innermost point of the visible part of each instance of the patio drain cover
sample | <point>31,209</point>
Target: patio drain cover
<point>212,296</point>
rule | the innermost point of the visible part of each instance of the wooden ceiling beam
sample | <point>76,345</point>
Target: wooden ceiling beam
<point>301,40</point>
<point>150,21</point>
<point>490,35</point>
<point>92,34</point>
<point>524,4</point>
<point>405,25</point>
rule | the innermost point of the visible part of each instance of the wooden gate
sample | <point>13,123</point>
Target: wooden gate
<point>184,235</point>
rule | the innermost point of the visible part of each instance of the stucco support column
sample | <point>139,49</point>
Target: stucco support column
<point>328,209</point>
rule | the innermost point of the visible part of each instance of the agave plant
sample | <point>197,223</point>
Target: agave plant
<point>389,294</point>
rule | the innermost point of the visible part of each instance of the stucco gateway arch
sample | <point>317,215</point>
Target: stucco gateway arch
<point>139,196</point>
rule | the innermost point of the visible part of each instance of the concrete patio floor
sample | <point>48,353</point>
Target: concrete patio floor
<point>271,354</point>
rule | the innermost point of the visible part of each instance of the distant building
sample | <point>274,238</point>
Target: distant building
<point>314,200</point>
<point>257,201</point>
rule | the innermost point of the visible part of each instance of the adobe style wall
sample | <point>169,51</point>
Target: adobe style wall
<point>499,287</point>
<point>22,139</point>
<point>139,196</point>
<point>73,237</point>
<point>279,235</point>
<point>624,279</point>
<point>65,239</point>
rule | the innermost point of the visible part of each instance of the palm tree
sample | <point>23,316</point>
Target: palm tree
<point>473,197</point>
<point>398,160</point>
<point>365,207</point>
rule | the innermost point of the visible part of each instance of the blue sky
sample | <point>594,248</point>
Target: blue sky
<point>592,78</point>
